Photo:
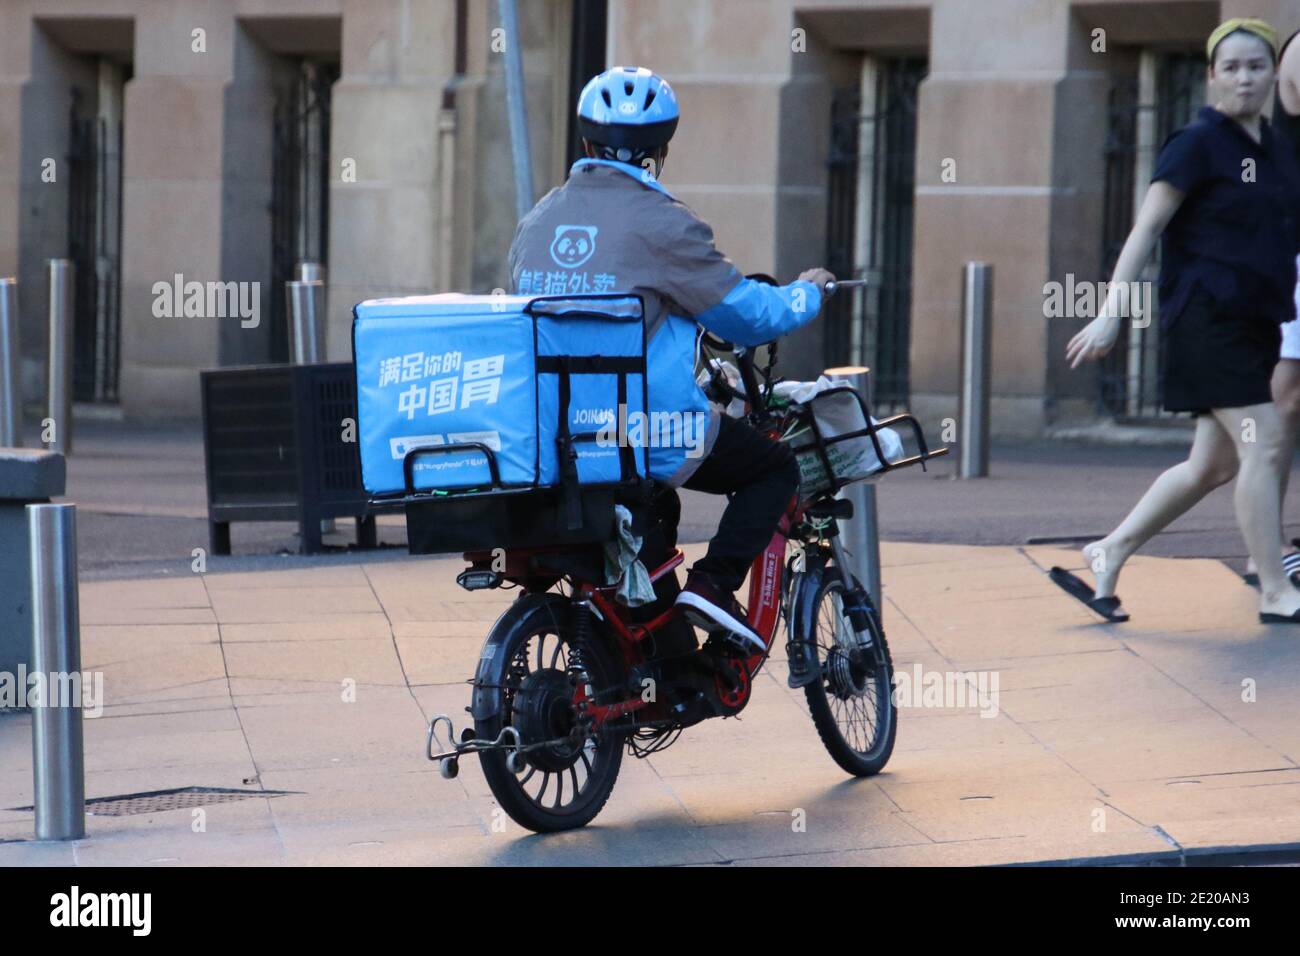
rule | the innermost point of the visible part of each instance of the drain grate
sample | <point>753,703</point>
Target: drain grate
<point>160,801</point>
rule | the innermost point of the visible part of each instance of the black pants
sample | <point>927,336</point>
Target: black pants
<point>760,476</point>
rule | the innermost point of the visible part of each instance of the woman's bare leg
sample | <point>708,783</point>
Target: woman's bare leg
<point>1212,462</point>
<point>1258,435</point>
<point>1286,396</point>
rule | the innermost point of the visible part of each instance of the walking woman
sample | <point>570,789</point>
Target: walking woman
<point>1225,201</point>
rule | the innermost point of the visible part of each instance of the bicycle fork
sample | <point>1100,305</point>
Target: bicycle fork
<point>857,602</point>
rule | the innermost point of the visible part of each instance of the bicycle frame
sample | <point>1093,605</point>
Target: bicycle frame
<point>766,591</point>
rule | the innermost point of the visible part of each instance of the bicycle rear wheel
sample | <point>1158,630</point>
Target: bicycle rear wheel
<point>564,785</point>
<point>852,704</point>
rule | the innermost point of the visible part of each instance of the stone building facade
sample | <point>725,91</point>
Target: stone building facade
<point>219,141</point>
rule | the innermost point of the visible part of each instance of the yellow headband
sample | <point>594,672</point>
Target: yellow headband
<point>1251,25</point>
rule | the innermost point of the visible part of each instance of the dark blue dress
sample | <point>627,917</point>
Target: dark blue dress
<point>1227,269</point>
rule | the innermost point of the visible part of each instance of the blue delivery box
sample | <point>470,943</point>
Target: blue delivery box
<point>461,393</point>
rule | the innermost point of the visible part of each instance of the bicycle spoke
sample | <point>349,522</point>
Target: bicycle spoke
<point>853,688</point>
<point>542,780</point>
<point>541,794</point>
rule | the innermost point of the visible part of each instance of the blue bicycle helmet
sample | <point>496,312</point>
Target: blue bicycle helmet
<point>629,110</point>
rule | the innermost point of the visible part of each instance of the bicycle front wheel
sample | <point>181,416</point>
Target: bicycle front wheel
<point>852,704</point>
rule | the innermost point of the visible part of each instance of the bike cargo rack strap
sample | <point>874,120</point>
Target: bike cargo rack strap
<point>565,366</point>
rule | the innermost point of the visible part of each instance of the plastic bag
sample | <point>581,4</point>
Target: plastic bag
<point>837,413</point>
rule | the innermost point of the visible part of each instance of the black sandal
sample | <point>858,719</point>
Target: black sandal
<point>1268,617</point>
<point>1076,587</point>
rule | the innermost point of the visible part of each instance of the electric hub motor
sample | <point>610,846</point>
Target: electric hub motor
<point>543,710</point>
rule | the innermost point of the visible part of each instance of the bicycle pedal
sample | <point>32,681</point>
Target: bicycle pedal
<point>725,646</point>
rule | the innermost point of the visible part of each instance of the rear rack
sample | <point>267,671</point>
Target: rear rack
<point>483,517</point>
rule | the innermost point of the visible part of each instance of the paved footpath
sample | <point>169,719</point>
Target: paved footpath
<point>1175,734</point>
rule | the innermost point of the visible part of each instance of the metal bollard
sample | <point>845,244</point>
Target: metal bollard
<point>861,536</point>
<point>59,399</point>
<point>976,356</point>
<point>58,756</point>
<point>11,382</point>
<point>307,327</point>
<point>517,109</point>
<point>306,321</point>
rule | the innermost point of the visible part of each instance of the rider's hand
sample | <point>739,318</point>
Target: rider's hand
<point>1093,341</point>
<point>818,277</point>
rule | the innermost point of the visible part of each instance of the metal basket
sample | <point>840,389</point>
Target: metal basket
<point>826,462</point>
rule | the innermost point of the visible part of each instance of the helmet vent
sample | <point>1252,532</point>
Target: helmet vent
<point>604,94</point>
<point>627,88</point>
<point>649,98</point>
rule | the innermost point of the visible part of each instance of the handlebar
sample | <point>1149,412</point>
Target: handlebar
<point>752,393</point>
<point>828,290</point>
<point>757,399</point>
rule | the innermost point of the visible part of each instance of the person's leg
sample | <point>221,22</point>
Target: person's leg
<point>761,476</point>
<point>1212,462</point>
<point>1257,433</point>
<point>1286,396</point>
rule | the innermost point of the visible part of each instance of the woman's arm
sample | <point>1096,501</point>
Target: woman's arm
<point>1098,336</point>
<point>1288,79</point>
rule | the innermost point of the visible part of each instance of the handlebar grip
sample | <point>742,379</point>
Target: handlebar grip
<point>830,288</point>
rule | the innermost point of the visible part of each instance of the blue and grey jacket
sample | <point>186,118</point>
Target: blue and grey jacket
<point>612,228</point>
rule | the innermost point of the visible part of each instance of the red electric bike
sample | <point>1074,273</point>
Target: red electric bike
<point>570,679</point>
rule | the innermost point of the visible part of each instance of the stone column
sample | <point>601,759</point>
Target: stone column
<point>989,188</point>
<point>36,89</point>
<point>485,212</point>
<point>749,154</point>
<point>385,170</point>
<point>172,209</point>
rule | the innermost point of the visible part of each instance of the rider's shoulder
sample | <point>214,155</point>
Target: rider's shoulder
<point>541,207</point>
<point>671,207</point>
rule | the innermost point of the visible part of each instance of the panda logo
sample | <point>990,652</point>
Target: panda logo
<point>573,245</point>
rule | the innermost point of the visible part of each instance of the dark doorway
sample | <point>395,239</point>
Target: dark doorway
<point>1128,386</point>
<point>872,326</point>
<point>299,185</point>
<point>94,245</point>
